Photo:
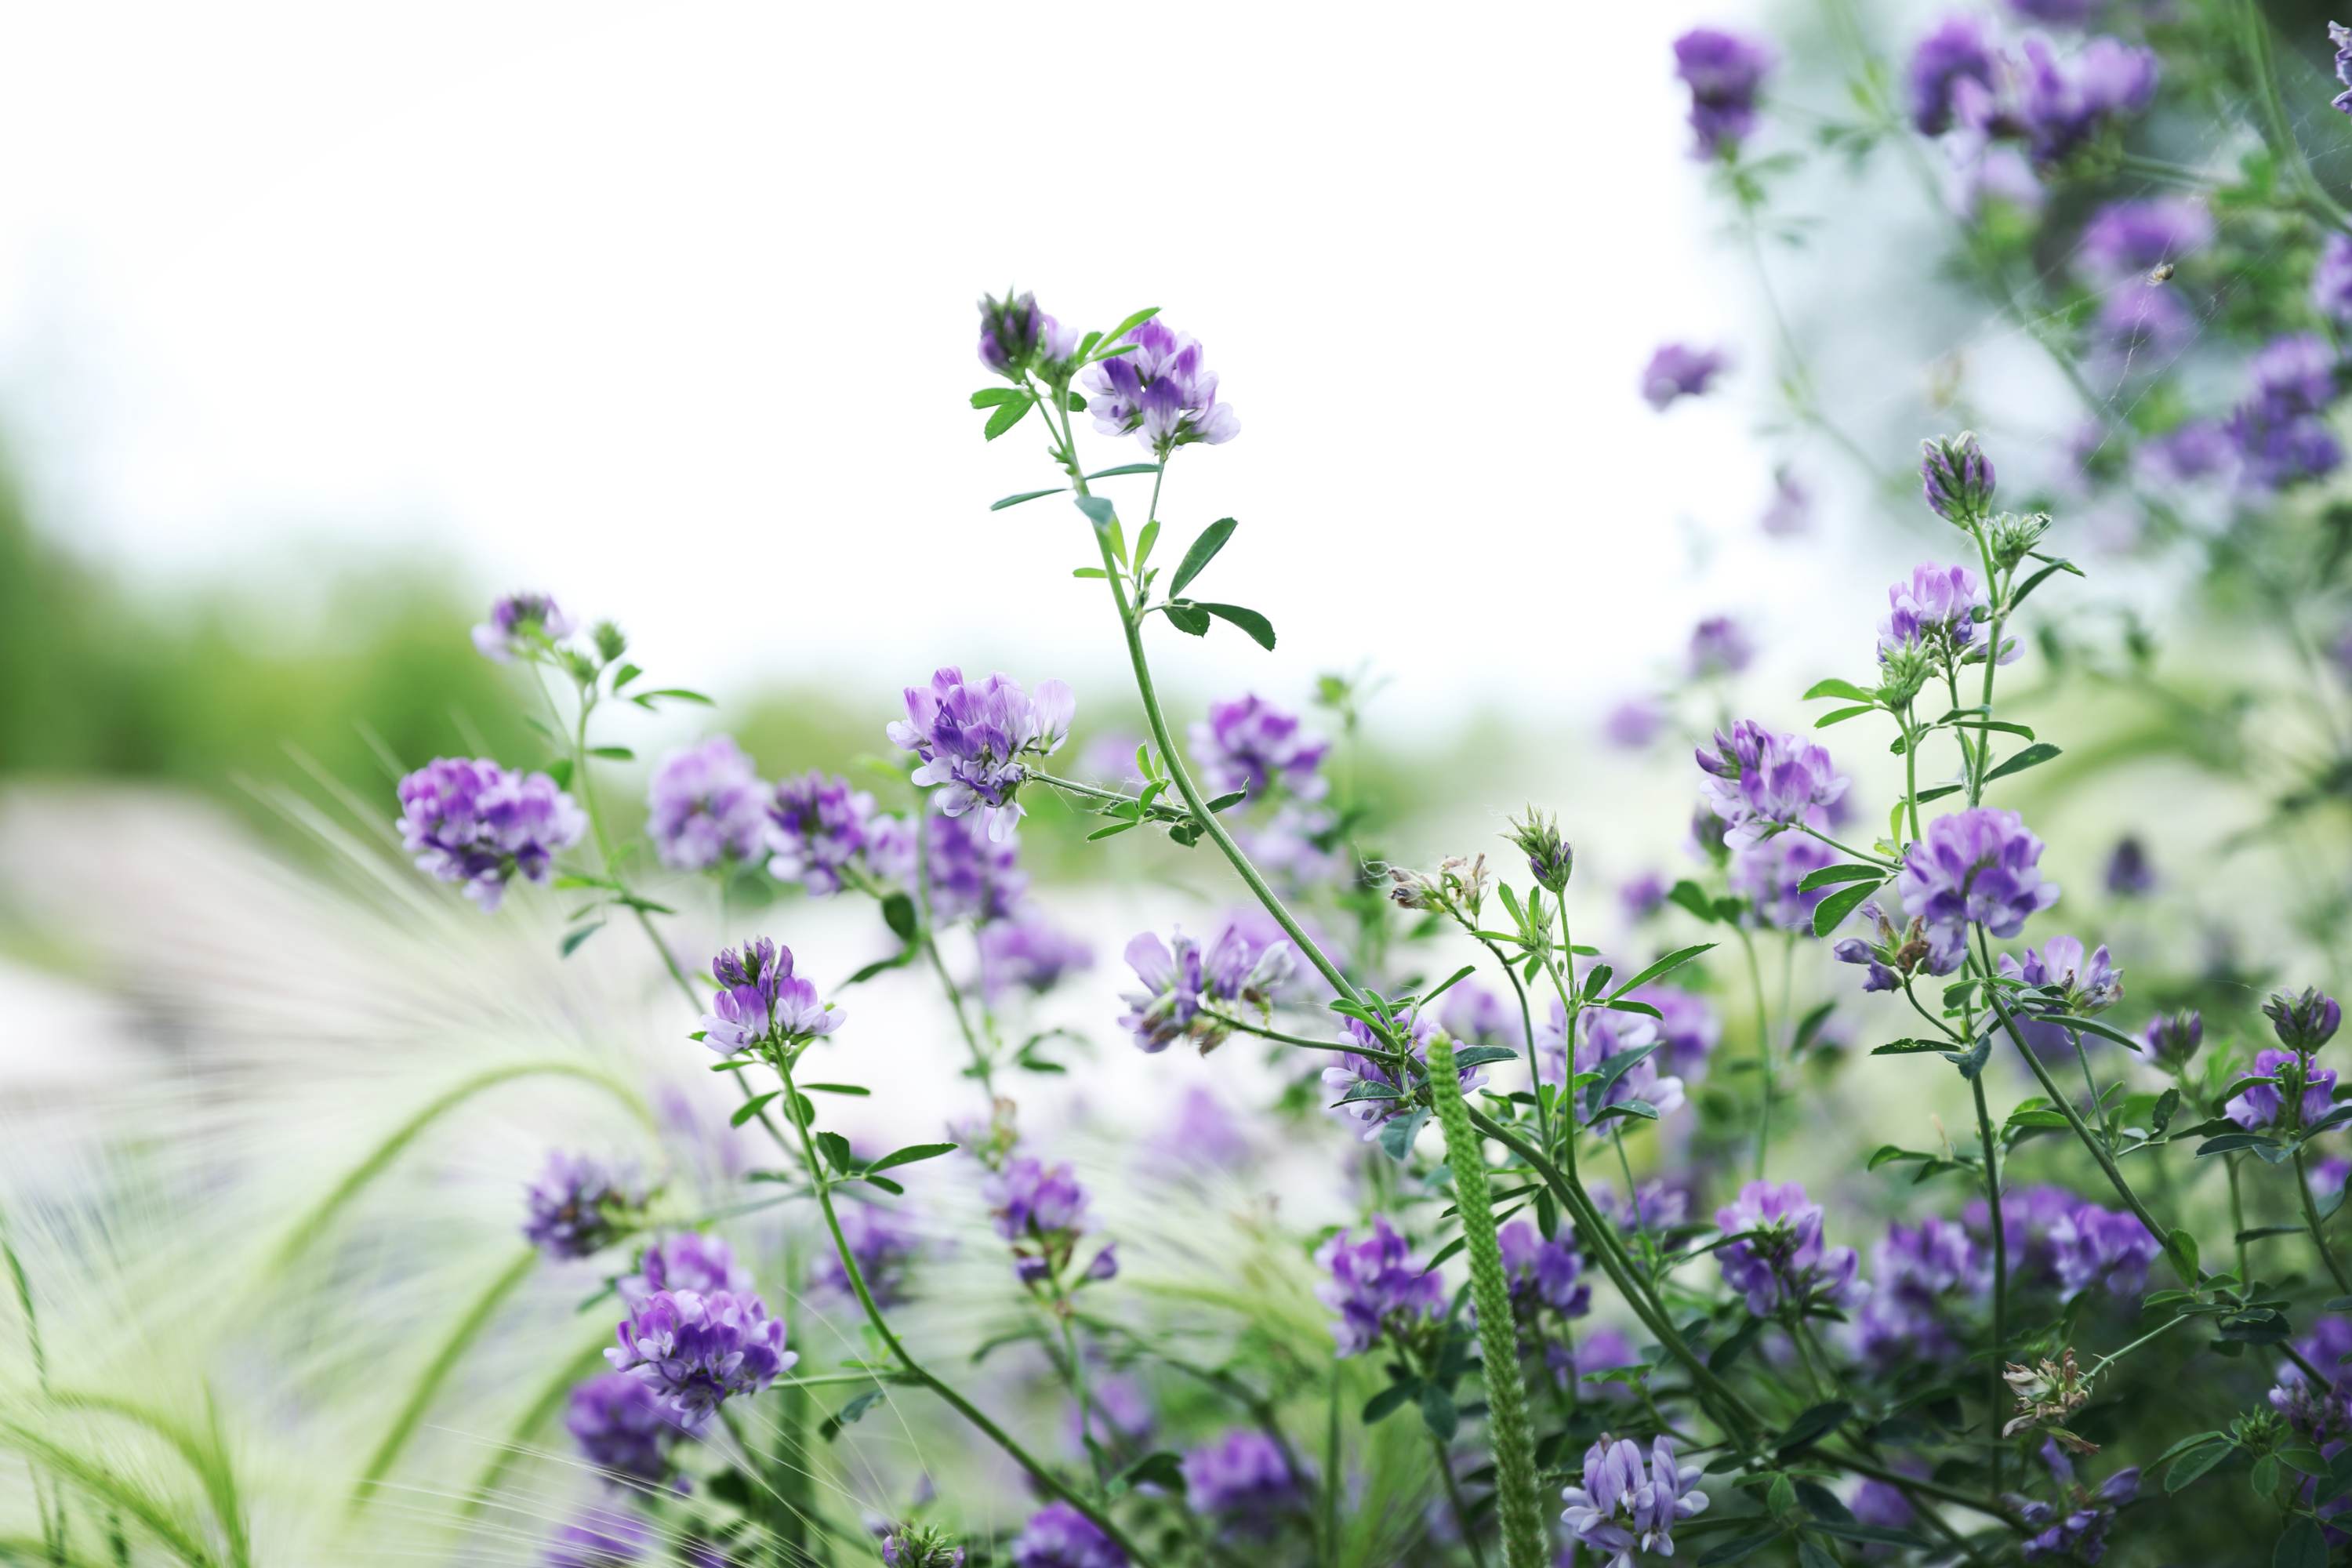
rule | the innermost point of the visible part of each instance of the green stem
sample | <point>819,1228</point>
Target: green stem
<point>2238,1221</point>
<point>1994,1400</point>
<point>2278,129</point>
<point>1454,1496</point>
<point>1243,1025</point>
<point>2311,1218</point>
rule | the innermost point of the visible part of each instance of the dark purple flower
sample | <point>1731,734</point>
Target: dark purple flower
<point>1059,1536</point>
<point>1757,778</point>
<point>2341,36</point>
<point>1159,392</point>
<point>2331,279</point>
<point>1015,335</point>
<point>2320,1415</point>
<point>975,877</point>
<point>1633,724</point>
<point>1655,1206</point>
<point>1955,51</point>
<point>1242,1481</point>
<point>705,805</point>
<point>1781,1263</point>
<point>1027,952</point>
<point>1602,1350</point>
<point>519,625</point>
<point>694,1350</point>
<point>1041,1211</point>
<point>580,1204</point>
<point>1718,646</point>
<point>1688,1030</point>
<point>687,1260</point>
<point>2302,1022</point>
<point>2262,1104</point>
<point>1179,984</point>
<point>1603,1032</point>
<point>2131,238</point>
<point>1375,1287</point>
<point>620,1427</point>
<point>1543,1274</point>
<point>2060,13</point>
<point>1957,477</point>
<point>979,739</point>
<point>1627,1506</point>
<point>1355,1069</point>
<point>1678,370</point>
<point>2193,449</point>
<point>762,1002</point>
<point>2129,876</point>
<point>2076,1526</point>
<point>1979,866</point>
<point>821,831</point>
<point>2063,107</point>
<point>1643,896</point>
<point>1916,1274</point>
<point>2279,432</point>
<point>2107,1248</point>
<point>474,822</point>
<point>1724,72</point>
<point>1791,511</point>
<point>1251,746</point>
<point>2173,1039</point>
<point>2028,1216</point>
<point>884,1247</point>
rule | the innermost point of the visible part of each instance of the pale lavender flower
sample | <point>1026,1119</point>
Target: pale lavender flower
<point>2028,1216</point>
<point>1688,1028</point>
<point>884,1247</point>
<point>2082,985</point>
<point>2192,450</point>
<point>2064,106</point>
<point>1297,846</point>
<point>1623,1508</point>
<point>1770,875</point>
<point>1041,1211</point>
<point>1633,724</point>
<point>1120,1416</point>
<point>1375,1287</point>
<point>1755,778</point>
<point>600,1539</point>
<point>761,1002</point>
<point>706,806</point>
<point>1475,1016</point>
<point>2142,330</point>
<point>618,1423</point>
<point>2061,13</point>
<point>2262,1104</point>
<point>2331,279</point>
<point>1251,746</point>
<point>1936,609</point>
<point>1159,392</point>
<point>2341,36</point>
<point>821,831</point>
<point>1655,1206</point>
<point>1979,866</point>
<point>1602,1350</point>
<point>1791,511</point>
<point>1243,1481</point>
<point>978,739</point>
<point>687,1260</point>
<point>1718,646</point>
<point>580,1204</point>
<point>2278,430</point>
<point>2131,238</point>
<point>1232,976</point>
<point>1724,72</point>
<point>2109,1248</point>
<point>1355,1069</point>
<point>1915,1273</point>
<point>1027,952</point>
<point>975,876</point>
<point>519,625</point>
<point>694,1350</point>
<point>1678,370</point>
<point>1202,1135</point>
<point>474,822</point>
<point>1781,1263</point>
<point>1603,1032</point>
<point>1958,50</point>
<point>1059,1536</point>
<point>2304,1023</point>
<point>1543,1274</point>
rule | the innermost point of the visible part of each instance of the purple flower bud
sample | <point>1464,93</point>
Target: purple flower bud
<point>1016,336</point>
<point>1551,859</point>
<point>1724,72</point>
<point>2081,985</point>
<point>706,807</point>
<point>1782,1265</point>
<point>520,625</point>
<point>1957,477</point>
<point>762,1004</point>
<point>1059,1536</point>
<point>477,823</point>
<point>2341,36</point>
<point>1757,779</point>
<point>1678,370</point>
<point>1937,610</point>
<point>578,1204</point>
<point>1243,1482</point>
<point>2129,876</point>
<point>979,739</point>
<point>1623,1507</point>
<point>696,1351</point>
<point>2174,1039</point>
<point>2304,1023</point>
<point>919,1546</point>
<point>1375,1287</point>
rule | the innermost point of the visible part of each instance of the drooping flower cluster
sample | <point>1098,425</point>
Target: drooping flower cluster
<point>1602,1034</point>
<point>2280,431</point>
<point>762,1004</point>
<point>620,1427</point>
<point>1375,1287</point>
<point>884,1247</point>
<point>1758,779</point>
<point>1724,72</point>
<point>1161,393</point>
<point>1679,370</point>
<point>1389,1091</point>
<point>1915,1273</point>
<point>1250,745</point>
<point>1243,1482</point>
<point>1189,994</point>
<point>978,739</point>
<point>471,821</point>
<point>1543,1275</point>
<point>580,1204</point>
<point>1974,867</point>
<point>2075,1527</point>
<point>1041,1211</point>
<point>687,1260</point>
<point>1016,336</point>
<point>1059,1536</point>
<point>1625,1507</point>
<point>706,806</point>
<point>696,1351</point>
<point>1781,1263</point>
<point>519,625</point>
<point>2265,1105</point>
<point>822,832</point>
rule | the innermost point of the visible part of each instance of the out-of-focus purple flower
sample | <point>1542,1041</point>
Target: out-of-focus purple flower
<point>705,805</point>
<point>2304,1023</point>
<point>1041,1211</point>
<point>2082,985</point>
<point>1718,646</point>
<point>2064,106</point>
<point>1243,1482</point>
<point>1185,990</point>
<point>1655,1206</point>
<point>1027,952</point>
<point>471,821</point>
<point>1958,50</point>
<point>519,625</point>
<point>1543,1273</point>
<point>978,739</point>
<point>1770,875</point>
<point>2278,430</point>
<point>2130,239</point>
<point>1015,335</point>
<point>975,877</point>
<point>2028,1214</point>
<point>1916,1272</point>
<point>2260,1105</point>
<point>1477,1017</point>
<point>1120,1414</point>
<point>580,1204</point>
<point>2341,36</point>
<point>696,1351</point>
<point>1625,1506</point>
<point>2129,876</point>
<point>1203,1135</point>
<point>2331,279</point>
<point>2173,1039</point>
<point>1755,778</point>
<point>603,1538</point>
<point>1355,1069</point>
<point>884,1247</point>
<point>1679,370</point>
<point>1160,394</point>
<point>1881,1505</point>
<point>1633,724</point>
<point>2059,13</point>
<point>1979,866</point>
<point>2193,449</point>
<point>1724,72</point>
<point>2320,1415</point>
<point>761,1002</point>
<point>1643,896</point>
<point>819,829</point>
<point>1251,746</point>
<point>1602,1350</point>
<point>1936,609</point>
<point>1791,511</point>
<point>1602,1034</point>
<point>1688,1030</point>
<point>620,1427</point>
<point>687,1260</point>
<point>2107,1248</point>
<point>2075,1527</point>
<point>1297,846</point>
<point>1783,1265</point>
<point>1957,477</point>
<point>2141,329</point>
<point>1059,1536</point>
<point>1375,1287</point>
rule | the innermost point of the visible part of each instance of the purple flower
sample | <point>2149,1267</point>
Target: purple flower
<point>2028,1216</point>
<point>1251,746</point>
<point>1242,1481</point>
<point>1724,72</point>
<point>1655,1206</point>
<point>1622,1508</point>
<point>2076,1526</point>
<point>2129,876</point>
<point>1477,1017</point>
<point>2193,449</point>
<point>2082,985</point>
<point>2341,36</point>
<point>1719,645</point>
<point>519,625</point>
<point>1755,778</point>
<point>689,1260</point>
<point>820,828</point>
<point>1375,1287</point>
<point>1029,953</point>
<point>694,1350</point>
<point>2126,239</point>
<point>2304,1023</point>
<point>1179,984</point>
<point>2107,1248</point>
<point>1633,724</point>
<point>2174,1039</point>
<point>1603,1033</point>
<point>1543,1273</point>
<point>1979,866</point>
<point>1059,1536</point>
<point>1770,875</point>
<point>1915,1273</point>
<point>1791,511</point>
<point>600,1539</point>
<point>1355,1069</point>
<point>762,1002</point>
<point>1015,335</point>
<point>474,822</point>
<point>2278,430</point>
<point>1957,477</point>
<point>1678,370</point>
<point>2062,12</point>
<point>2320,1415</point>
<point>705,805</point>
<point>1643,896</point>
<point>2142,328</point>
<point>1602,1350</point>
<point>2262,1104</point>
<point>1782,1265</point>
<point>580,1204</point>
<point>620,1427</point>
<point>1297,846</point>
<point>1935,609</point>
<point>2331,279</point>
<point>1688,1028</point>
<point>1202,1135</point>
<point>1159,392</point>
<point>975,876</point>
<point>979,739</point>
<point>1955,51</point>
<point>1041,1211</point>
<point>2062,108</point>
<point>884,1247</point>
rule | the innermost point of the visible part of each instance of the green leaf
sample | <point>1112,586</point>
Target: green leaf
<point>849,1413</point>
<point>752,1108</point>
<point>1016,500</point>
<point>623,675</point>
<point>1438,1411</point>
<point>836,1089</point>
<point>1744,1547</point>
<point>1124,469</point>
<point>572,939</point>
<point>898,914</point>
<point>1163,1468</point>
<point>1100,511</point>
<point>1666,965</point>
<point>1129,325</point>
<point>1829,875</point>
<point>1840,715</point>
<point>1836,687</point>
<point>836,1152</point>
<point>1837,906</point>
<point>1005,418</point>
<point>1390,1400</point>
<point>2190,1466</point>
<point>1484,1056</point>
<point>2302,1545</point>
<point>2180,1247</point>
<point>1260,629</point>
<point>1640,1109</point>
<point>1370,1089</point>
<point>996,396</point>
<point>1911,1048</point>
<point>674,693</point>
<point>909,1154</point>
<point>1113,831</point>
<point>1201,551</point>
<point>613,753</point>
<point>2033,756</point>
<point>1811,1427</point>
<point>1690,898</point>
<point>1188,618</point>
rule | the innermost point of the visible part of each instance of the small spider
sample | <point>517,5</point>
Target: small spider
<point>2160,273</point>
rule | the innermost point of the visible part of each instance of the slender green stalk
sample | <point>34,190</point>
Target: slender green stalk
<point>1331,1481</point>
<point>1454,1497</point>
<point>2238,1220</point>
<point>1994,1402</point>
<point>1243,1025</point>
<point>2311,1219</point>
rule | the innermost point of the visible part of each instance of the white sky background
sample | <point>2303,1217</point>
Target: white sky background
<point>670,310</point>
